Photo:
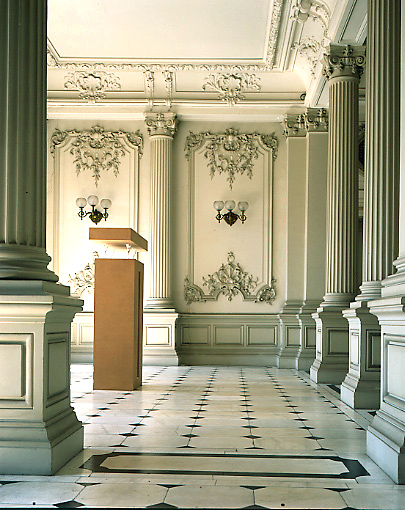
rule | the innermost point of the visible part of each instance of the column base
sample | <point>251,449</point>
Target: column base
<point>290,330</point>
<point>306,353</point>
<point>386,445</point>
<point>31,450</point>
<point>39,431</point>
<point>332,346</point>
<point>159,333</point>
<point>361,387</point>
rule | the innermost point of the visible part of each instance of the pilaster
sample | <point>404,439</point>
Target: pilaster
<point>39,431</point>
<point>381,192</point>
<point>343,67</point>
<point>295,132</point>
<point>316,125</point>
<point>160,316</point>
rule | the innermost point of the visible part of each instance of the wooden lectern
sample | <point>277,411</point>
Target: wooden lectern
<point>118,312</point>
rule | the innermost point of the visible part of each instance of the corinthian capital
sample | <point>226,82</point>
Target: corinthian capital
<point>161,123</point>
<point>344,61</point>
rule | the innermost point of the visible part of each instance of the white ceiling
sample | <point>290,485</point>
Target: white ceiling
<point>160,30</point>
<point>128,55</point>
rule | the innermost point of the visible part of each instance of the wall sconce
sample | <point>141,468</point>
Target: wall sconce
<point>95,215</point>
<point>230,217</point>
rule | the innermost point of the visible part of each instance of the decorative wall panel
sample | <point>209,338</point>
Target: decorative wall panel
<point>235,261</point>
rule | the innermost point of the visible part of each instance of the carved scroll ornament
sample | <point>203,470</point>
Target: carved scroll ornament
<point>230,279</point>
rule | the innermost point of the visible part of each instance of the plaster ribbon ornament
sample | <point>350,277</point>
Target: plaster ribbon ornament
<point>83,281</point>
<point>230,152</point>
<point>230,279</point>
<point>97,150</point>
<point>92,85</point>
<point>317,10</point>
<point>231,85</point>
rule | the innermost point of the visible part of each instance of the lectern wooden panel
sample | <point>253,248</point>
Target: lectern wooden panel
<point>118,309</point>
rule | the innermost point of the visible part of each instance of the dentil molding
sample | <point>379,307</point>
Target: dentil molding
<point>231,85</point>
<point>161,123</point>
<point>91,85</point>
<point>344,61</point>
<point>97,150</point>
<point>230,279</point>
<point>230,152</point>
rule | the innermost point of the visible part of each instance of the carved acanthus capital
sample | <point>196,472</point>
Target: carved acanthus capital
<point>316,119</point>
<point>294,125</point>
<point>344,61</point>
<point>161,123</point>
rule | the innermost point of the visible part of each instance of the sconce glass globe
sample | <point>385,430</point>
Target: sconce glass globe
<point>218,205</point>
<point>105,203</point>
<point>243,206</point>
<point>81,202</point>
<point>92,200</point>
<point>230,204</point>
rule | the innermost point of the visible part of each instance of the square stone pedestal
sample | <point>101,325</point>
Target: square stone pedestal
<point>39,431</point>
<point>361,387</point>
<point>332,346</point>
<point>159,334</point>
<point>290,332</point>
<point>386,434</point>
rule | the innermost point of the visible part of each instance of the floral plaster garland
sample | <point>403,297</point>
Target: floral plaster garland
<point>231,152</point>
<point>97,150</point>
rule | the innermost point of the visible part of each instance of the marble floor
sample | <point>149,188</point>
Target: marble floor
<point>213,437</point>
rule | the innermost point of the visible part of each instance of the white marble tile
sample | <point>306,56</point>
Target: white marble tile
<point>38,493</point>
<point>132,495</point>
<point>208,496</point>
<point>376,498</point>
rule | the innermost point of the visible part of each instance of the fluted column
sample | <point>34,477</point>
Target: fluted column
<point>39,431</point>
<point>381,172</point>
<point>22,141</point>
<point>343,67</point>
<point>386,433</point>
<point>160,317</point>
<point>361,386</point>
<point>161,128</point>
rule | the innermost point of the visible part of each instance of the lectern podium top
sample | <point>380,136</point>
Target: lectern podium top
<point>118,238</point>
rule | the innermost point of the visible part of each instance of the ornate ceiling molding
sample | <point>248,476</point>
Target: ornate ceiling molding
<point>231,85</point>
<point>91,85</point>
<point>169,78</point>
<point>231,152</point>
<point>55,61</point>
<point>149,77</point>
<point>316,10</point>
<point>161,123</point>
<point>96,150</point>
<point>309,47</point>
<point>230,279</point>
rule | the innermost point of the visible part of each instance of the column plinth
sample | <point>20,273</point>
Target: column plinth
<point>39,431</point>
<point>343,67</point>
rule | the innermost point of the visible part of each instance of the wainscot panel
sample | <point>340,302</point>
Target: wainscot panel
<point>225,339</point>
